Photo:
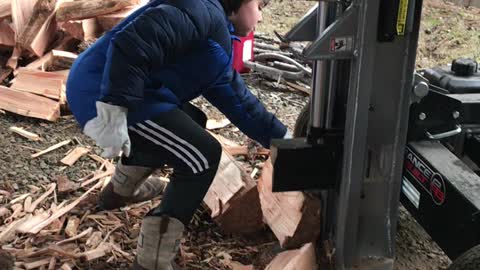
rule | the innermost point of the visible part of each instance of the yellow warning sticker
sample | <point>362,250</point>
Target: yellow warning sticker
<point>402,17</point>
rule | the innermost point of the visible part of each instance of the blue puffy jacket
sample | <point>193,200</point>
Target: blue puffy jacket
<point>163,55</point>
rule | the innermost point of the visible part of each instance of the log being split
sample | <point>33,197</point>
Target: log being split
<point>294,217</point>
<point>233,198</point>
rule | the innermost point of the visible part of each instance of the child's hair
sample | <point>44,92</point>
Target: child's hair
<point>232,6</point>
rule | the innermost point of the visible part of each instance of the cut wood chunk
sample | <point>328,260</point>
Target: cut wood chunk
<point>5,8</point>
<point>28,104</point>
<point>74,155</point>
<point>47,84</point>
<point>27,134</point>
<point>72,226</point>
<point>303,258</point>
<point>7,34</point>
<point>233,198</point>
<point>77,10</point>
<point>294,217</point>
<point>51,148</point>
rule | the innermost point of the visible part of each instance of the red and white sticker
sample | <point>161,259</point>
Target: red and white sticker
<point>341,44</point>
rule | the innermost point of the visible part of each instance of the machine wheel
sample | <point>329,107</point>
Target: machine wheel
<point>301,125</point>
<point>470,260</point>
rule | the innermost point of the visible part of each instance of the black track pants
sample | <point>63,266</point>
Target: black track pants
<point>177,139</point>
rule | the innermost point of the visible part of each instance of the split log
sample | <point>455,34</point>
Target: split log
<point>27,134</point>
<point>74,155</point>
<point>108,21</point>
<point>79,10</point>
<point>51,148</point>
<point>233,198</point>
<point>7,34</point>
<point>45,37</point>
<point>22,11</point>
<point>73,28</point>
<point>28,104</point>
<point>303,258</point>
<point>5,8</point>
<point>61,60</point>
<point>91,29</point>
<point>294,217</point>
<point>47,84</point>
<point>40,13</point>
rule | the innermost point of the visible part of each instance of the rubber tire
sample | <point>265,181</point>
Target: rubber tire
<point>301,125</point>
<point>470,260</point>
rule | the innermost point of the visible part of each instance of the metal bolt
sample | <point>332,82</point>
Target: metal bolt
<point>422,116</point>
<point>456,115</point>
<point>421,89</point>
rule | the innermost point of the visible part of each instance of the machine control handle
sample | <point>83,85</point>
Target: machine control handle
<point>446,134</point>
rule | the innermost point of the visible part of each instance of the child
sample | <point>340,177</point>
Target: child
<point>130,92</point>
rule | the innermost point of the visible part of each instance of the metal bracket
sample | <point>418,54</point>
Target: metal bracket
<point>305,29</point>
<point>337,41</point>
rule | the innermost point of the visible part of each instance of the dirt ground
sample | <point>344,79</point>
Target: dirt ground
<point>447,32</point>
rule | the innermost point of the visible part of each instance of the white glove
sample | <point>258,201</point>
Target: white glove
<point>288,135</point>
<point>109,129</point>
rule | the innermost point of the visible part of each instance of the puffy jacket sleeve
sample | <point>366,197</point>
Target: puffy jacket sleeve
<point>151,39</point>
<point>244,110</point>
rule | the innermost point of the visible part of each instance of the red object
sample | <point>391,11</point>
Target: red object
<point>243,51</point>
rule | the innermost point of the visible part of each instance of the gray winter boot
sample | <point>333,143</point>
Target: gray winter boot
<point>130,184</point>
<point>158,243</point>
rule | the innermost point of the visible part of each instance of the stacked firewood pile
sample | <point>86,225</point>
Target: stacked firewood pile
<point>39,40</point>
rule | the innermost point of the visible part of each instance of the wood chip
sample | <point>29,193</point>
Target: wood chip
<point>74,155</point>
<point>41,198</point>
<point>51,148</point>
<point>72,226</point>
<point>63,210</point>
<point>37,264</point>
<point>22,132</point>
<point>213,124</point>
